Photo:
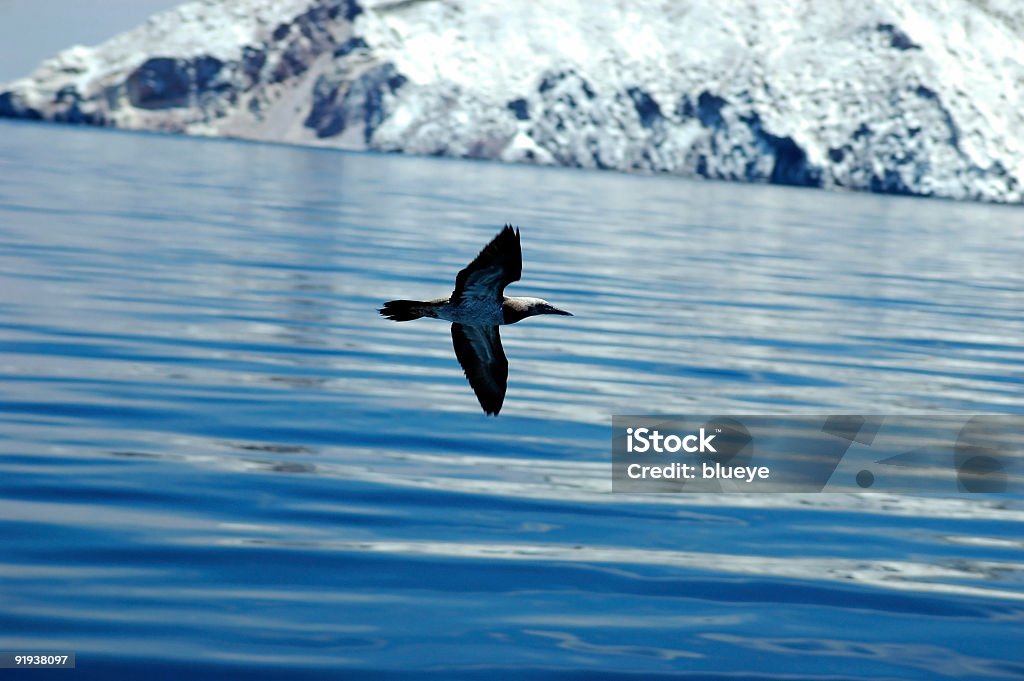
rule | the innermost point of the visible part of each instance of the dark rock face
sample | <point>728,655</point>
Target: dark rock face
<point>709,110</point>
<point>293,62</point>
<point>71,111</point>
<point>728,125</point>
<point>308,36</point>
<point>167,83</point>
<point>579,125</point>
<point>889,182</point>
<point>340,103</point>
<point>325,116</point>
<point>11,106</point>
<point>305,76</point>
<point>160,83</point>
<point>646,107</point>
<point>213,86</point>
<point>570,122</point>
<point>204,87</point>
<point>897,38</point>
<point>791,165</point>
<point>350,46</point>
<point>520,108</point>
<point>207,71</point>
<point>253,60</point>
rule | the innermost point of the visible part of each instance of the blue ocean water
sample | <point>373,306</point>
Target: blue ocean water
<point>217,460</point>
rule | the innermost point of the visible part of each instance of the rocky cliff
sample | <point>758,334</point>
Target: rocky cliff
<point>901,96</point>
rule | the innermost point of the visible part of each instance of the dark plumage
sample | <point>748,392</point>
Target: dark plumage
<point>499,264</point>
<point>479,351</point>
<point>476,308</point>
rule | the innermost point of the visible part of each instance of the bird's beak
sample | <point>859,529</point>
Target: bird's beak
<point>555,310</point>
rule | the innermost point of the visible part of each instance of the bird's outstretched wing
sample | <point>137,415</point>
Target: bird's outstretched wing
<point>479,351</point>
<point>498,265</point>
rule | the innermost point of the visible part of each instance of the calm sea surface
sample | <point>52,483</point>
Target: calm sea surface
<point>217,460</point>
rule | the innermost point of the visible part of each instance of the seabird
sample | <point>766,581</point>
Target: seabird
<point>476,308</point>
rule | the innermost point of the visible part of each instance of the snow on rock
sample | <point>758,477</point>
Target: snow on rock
<point>899,96</point>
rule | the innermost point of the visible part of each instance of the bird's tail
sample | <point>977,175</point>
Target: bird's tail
<point>406,310</point>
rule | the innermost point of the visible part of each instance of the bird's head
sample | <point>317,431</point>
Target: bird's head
<point>521,308</point>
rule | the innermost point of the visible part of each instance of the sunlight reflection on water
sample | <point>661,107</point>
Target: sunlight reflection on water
<point>214,449</point>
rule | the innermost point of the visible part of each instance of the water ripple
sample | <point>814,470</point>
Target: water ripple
<point>216,457</point>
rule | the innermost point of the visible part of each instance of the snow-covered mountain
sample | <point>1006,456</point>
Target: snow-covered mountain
<point>905,96</point>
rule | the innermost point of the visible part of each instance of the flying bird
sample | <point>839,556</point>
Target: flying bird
<point>476,308</point>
